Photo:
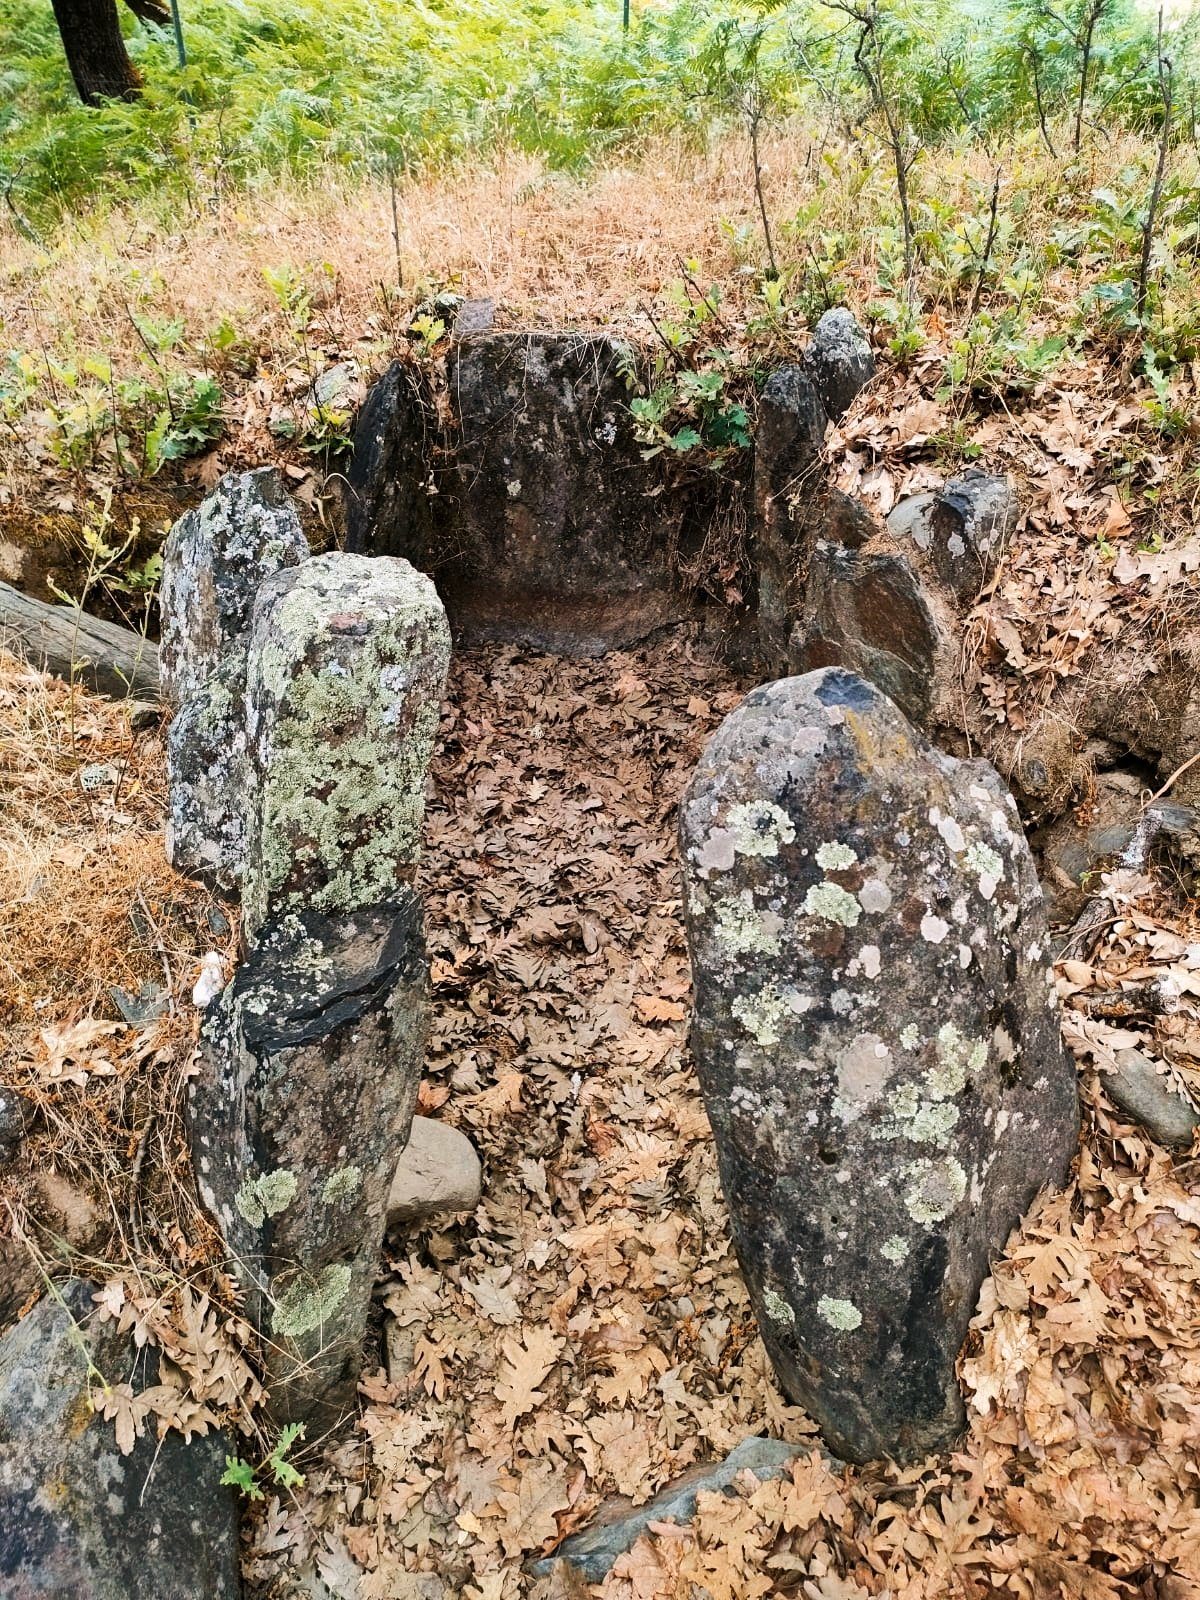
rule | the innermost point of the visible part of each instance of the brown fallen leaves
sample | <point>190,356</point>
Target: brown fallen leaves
<point>587,1333</point>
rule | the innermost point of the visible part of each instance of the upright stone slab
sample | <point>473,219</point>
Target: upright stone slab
<point>348,659</point>
<point>214,559</point>
<point>877,1036</point>
<point>311,1058</point>
<point>840,359</point>
<point>892,607</point>
<point>213,562</point>
<point>788,472</point>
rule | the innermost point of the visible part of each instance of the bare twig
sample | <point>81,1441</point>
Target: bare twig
<point>1164,145</point>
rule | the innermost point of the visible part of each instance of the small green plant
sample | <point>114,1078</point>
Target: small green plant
<point>691,409</point>
<point>274,1469</point>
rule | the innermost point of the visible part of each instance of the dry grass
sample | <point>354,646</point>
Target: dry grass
<point>549,248</point>
<point>88,903</point>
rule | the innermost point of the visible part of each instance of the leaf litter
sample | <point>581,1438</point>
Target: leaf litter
<point>585,1333</point>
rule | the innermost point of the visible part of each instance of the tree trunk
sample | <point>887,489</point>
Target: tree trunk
<point>96,54</point>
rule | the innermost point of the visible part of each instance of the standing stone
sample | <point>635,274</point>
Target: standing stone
<point>868,610</point>
<point>79,1519</point>
<point>788,471</point>
<point>840,360</point>
<point>877,1037</point>
<point>393,507</point>
<point>311,1058</point>
<point>213,562</point>
<point>214,559</point>
<point>347,664</point>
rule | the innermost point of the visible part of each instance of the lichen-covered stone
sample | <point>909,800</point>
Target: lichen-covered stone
<point>214,559</point>
<point>877,1037</point>
<point>347,662</point>
<point>311,1057</point>
<point>308,1070</point>
<point>78,1518</point>
<point>213,563</point>
<point>840,359</point>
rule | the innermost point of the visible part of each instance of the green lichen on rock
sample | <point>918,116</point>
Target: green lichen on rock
<point>305,1306</point>
<point>763,1014</point>
<point>347,667</point>
<point>987,866</point>
<point>830,903</point>
<point>777,1308</point>
<point>266,1196</point>
<point>841,1314</point>
<point>835,857</point>
<point>744,930</point>
<point>935,1189</point>
<point>342,1185</point>
<point>894,1249</point>
<point>759,828</point>
<point>956,1057</point>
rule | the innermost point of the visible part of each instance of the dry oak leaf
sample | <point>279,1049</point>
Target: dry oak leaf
<point>653,1008</point>
<point>71,1053</point>
<point>530,1510</point>
<point>527,1361</point>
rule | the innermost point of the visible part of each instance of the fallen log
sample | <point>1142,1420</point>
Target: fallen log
<point>72,645</point>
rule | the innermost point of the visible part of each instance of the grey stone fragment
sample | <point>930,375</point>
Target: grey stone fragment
<point>959,532</point>
<point>79,1519</point>
<point>347,663</point>
<point>439,1171</point>
<point>1144,1094</point>
<point>150,1001</point>
<point>868,611</point>
<point>214,559</point>
<point>213,563</point>
<point>840,359</point>
<point>877,1035</point>
<point>474,317</point>
<point>619,1524</point>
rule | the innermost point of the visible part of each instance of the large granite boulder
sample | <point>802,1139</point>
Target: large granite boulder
<point>78,1518</point>
<point>877,1037</point>
<point>214,560</point>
